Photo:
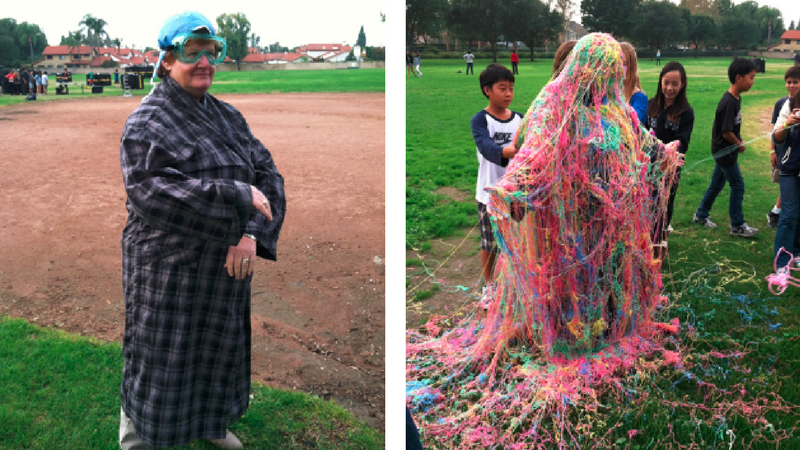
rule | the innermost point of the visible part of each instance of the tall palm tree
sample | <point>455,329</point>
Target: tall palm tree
<point>74,40</point>
<point>95,26</point>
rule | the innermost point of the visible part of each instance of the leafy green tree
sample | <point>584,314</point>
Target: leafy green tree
<point>706,7</point>
<point>766,15</point>
<point>117,42</point>
<point>532,22</point>
<point>791,25</point>
<point>660,22</point>
<point>9,51</point>
<point>739,32</point>
<point>702,28</point>
<point>723,7</point>
<point>234,28</point>
<point>424,18</point>
<point>617,17</point>
<point>485,19</point>
<point>31,39</point>
<point>362,38</point>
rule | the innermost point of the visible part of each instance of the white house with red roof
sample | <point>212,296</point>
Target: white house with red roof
<point>790,42</point>
<point>59,56</point>
<point>328,52</point>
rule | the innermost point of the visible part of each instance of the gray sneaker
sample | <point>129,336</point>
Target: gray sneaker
<point>704,222</point>
<point>744,230</point>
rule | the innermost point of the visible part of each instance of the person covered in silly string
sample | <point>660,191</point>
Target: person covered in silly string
<point>573,213</point>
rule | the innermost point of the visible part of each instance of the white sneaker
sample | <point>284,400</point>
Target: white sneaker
<point>489,293</point>
<point>744,230</point>
<point>704,222</point>
<point>230,441</point>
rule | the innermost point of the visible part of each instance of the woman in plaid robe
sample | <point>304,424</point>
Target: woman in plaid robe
<point>204,198</point>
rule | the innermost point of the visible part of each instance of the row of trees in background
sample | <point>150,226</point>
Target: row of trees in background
<point>646,23</point>
<point>20,43</point>
<point>532,22</point>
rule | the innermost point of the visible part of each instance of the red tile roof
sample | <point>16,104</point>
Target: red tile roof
<point>65,50</point>
<point>791,34</point>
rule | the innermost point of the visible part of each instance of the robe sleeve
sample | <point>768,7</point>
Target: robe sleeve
<point>270,183</point>
<point>169,200</point>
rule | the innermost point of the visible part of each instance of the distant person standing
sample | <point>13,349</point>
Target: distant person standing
<point>409,64</point>
<point>514,61</point>
<point>658,57</point>
<point>469,57</point>
<point>417,63</point>
<point>26,81</point>
<point>45,81</point>
<point>38,80</point>
<point>116,76</point>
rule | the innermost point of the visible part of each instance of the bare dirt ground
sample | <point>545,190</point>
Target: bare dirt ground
<point>318,313</point>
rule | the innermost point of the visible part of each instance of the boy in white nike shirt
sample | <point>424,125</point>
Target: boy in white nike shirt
<point>493,129</point>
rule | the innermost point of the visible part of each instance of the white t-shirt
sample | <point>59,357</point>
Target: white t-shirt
<point>469,57</point>
<point>44,79</point>
<point>491,136</point>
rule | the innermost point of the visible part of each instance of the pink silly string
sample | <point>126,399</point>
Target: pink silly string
<point>782,278</point>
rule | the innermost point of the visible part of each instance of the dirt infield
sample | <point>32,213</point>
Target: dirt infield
<point>318,313</point>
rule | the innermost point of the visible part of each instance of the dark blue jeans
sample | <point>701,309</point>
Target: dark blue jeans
<point>788,233</point>
<point>720,176</point>
<point>470,69</point>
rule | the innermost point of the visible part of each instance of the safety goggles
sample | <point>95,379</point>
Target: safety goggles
<point>191,47</point>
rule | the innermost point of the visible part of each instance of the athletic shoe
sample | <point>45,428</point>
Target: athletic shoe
<point>230,442</point>
<point>670,229</point>
<point>772,219</point>
<point>704,222</point>
<point>489,293</point>
<point>744,230</point>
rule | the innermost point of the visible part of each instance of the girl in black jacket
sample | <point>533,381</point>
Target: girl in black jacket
<point>672,119</point>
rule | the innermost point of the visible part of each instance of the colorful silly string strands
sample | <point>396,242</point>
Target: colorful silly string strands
<point>572,328</point>
<point>782,278</point>
<point>733,148</point>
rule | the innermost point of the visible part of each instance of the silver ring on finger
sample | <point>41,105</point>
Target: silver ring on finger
<point>245,261</point>
<point>265,203</point>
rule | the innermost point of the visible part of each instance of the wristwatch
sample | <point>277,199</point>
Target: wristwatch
<point>250,236</point>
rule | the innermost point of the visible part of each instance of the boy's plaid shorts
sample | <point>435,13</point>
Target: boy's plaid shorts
<point>487,235</point>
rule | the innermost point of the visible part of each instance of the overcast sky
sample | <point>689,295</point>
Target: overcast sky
<point>292,23</point>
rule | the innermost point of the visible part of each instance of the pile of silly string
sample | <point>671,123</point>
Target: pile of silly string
<point>571,329</point>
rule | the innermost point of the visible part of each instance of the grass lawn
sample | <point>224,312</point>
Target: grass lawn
<point>61,391</point>
<point>246,82</point>
<point>715,281</point>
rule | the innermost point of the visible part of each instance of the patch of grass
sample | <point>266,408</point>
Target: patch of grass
<point>62,391</point>
<point>246,82</point>
<point>424,295</point>
<point>413,262</point>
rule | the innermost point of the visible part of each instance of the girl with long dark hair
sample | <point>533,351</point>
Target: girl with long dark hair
<point>672,118</point>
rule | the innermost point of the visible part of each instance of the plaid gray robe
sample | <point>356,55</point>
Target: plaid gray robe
<point>187,170</point>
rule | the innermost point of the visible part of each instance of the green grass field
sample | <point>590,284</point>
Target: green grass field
<point>61,391</point>
<point>716,281</point>
<point>245,82</point>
